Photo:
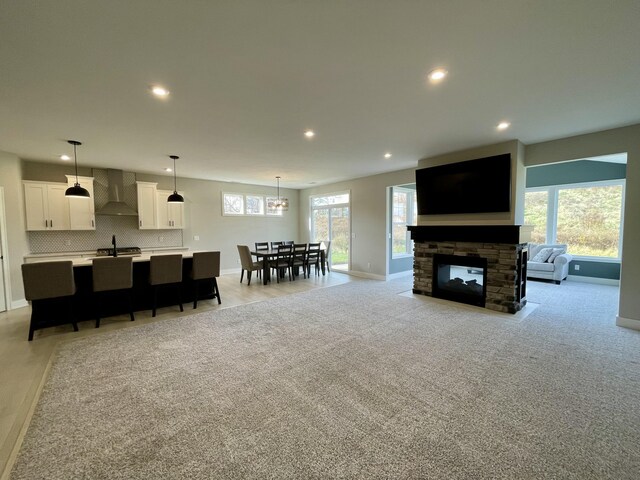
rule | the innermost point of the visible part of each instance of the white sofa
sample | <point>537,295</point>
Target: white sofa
<point>557,270</point>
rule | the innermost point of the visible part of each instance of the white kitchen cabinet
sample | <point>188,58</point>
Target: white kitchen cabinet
<point>82,211</point>
<point>147,205</point>
<point>170,215</point>
<point>46,206</point>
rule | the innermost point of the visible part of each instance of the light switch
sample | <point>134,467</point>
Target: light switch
<point>196,237</point>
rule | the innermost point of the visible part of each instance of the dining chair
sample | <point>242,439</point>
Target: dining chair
<point>112,276</point>
<point>165,271</point>
<point>289,242</point>
<point>299,258</point>
<point>48,285</point>
<point>262,245</point>
<point>327,254</point>
<point>275,245</point>
<point>247,263</point>
<point>283,261</point>
<point>205,268</point>
<point>313,258</point>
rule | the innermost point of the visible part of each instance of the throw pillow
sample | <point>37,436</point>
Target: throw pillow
<point>554,254</point>
<point>542,255</point>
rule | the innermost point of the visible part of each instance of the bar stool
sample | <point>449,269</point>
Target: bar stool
<point>45,284</point>
<point>165,271</point>
<point>206,267</point>
<point>111,276</point>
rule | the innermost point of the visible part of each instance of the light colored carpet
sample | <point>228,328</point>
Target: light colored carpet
<point>352,381</point>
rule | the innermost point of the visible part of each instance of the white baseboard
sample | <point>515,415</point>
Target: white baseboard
<point>406,273</point>
<point>628,322</point>
<point>355,273</point>
<point>600,281</point>
<point>19,304</point>
<point>228,271</point>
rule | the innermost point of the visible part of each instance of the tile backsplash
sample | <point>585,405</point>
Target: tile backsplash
<point>124,228</point>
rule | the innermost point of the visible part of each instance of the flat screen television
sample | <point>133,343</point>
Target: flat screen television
<point>474,186</point>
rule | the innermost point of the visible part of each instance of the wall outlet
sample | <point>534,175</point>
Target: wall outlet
<point>238,261</point>
<point>353,235</point>
<point>369,266</point>
<point>576,267</point>
<point>161,239</point>
<point>196,237</point>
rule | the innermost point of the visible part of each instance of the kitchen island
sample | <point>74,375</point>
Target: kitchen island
<point>83,303</point>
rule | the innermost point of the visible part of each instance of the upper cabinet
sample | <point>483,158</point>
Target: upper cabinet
<point>170,215</point>
<point>82,214</point>
<point>147,206</point>
<point>46,206</point>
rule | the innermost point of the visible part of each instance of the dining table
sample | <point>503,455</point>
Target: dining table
<point>271,253</point>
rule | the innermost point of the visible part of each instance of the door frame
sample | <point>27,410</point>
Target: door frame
<point>5,252</point>
<point>329,207</point>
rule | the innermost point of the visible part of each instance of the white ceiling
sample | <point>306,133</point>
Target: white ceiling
<point>249,76</point>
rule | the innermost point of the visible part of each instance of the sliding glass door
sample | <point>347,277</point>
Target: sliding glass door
<point>330,220</point>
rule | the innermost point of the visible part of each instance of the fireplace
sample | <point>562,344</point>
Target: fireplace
<point>483,265</point>
<point>460,278</point>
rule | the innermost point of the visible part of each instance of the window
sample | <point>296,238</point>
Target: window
<point>404,211</point>
<point>535,213</point>
<point>587,217</point>
<point>241,204</point>
<point>330,220</point>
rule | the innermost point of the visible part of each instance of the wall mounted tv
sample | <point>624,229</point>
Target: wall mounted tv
<point>474,186</point>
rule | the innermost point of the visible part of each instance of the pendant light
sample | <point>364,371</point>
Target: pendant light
<point>76,191</point>
<point>175,197</point>
<point>281,203</point>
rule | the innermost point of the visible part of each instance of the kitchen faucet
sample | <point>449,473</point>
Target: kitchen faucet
<point>113,242</point>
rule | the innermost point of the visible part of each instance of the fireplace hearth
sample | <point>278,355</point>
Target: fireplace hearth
<point>477,265</point>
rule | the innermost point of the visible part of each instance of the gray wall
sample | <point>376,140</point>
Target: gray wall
<point>580,171</point>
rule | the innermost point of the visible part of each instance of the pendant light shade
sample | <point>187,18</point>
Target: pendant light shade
<point>281,203</point>
<point>76,191</point>
<point>175,197</point>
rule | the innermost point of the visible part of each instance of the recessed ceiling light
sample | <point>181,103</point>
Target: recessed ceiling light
<point>503,125</point>
<point>168,169</point>
<point>387,155</point>
<point>65,157</point>
<point>309,133</point>
<point>437,75</point>
<point>159,91</point>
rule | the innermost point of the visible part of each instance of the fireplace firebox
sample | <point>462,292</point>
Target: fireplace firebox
<point>460,278</point>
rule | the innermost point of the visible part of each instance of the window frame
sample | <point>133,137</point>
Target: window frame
<point>552,213</point>
<point>265,212</point>
<point>411,211</point>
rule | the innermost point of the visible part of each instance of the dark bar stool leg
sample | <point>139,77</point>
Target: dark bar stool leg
<point>216,291</point>
<point>98,303</point>
<point>130,295</point>
<point>73,318</point>
<point>155,301</point>
<point>180,296</point>
<point>195,292</point>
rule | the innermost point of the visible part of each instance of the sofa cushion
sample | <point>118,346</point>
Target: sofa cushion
<point>542,255</point>
<point>554,254</point>
<point>540,266</point>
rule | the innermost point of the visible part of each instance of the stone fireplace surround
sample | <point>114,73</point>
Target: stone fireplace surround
<point>506,259</point>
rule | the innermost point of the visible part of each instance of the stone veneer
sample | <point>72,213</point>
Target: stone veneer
<point>503,274</point>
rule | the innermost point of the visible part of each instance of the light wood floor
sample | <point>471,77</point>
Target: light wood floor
<point>23,364</point>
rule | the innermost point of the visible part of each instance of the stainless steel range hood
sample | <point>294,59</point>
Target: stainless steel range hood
<point>116,205</point>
